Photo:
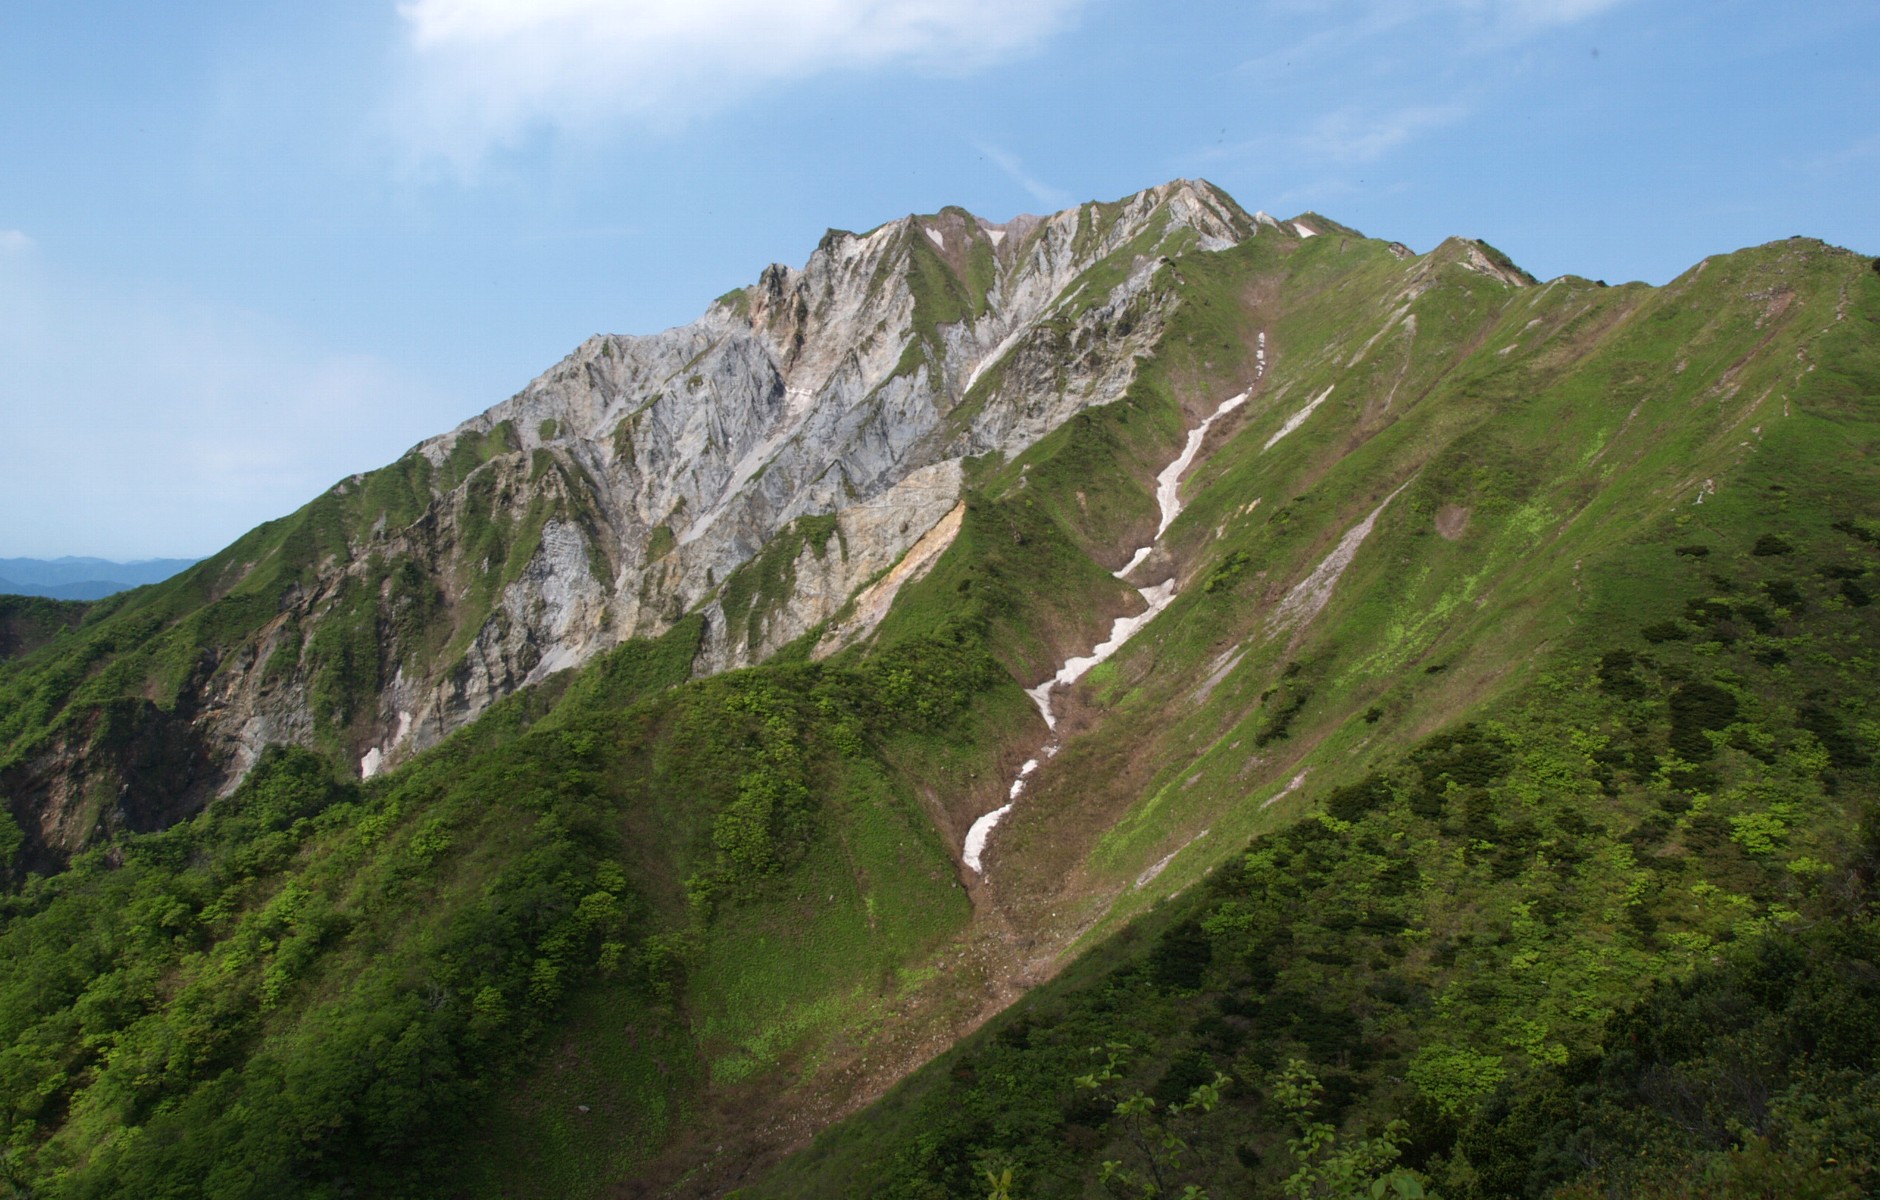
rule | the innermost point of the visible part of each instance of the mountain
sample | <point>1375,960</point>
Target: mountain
<point>626,487</point>
<point>82,578</point>
<point>1348,686</point>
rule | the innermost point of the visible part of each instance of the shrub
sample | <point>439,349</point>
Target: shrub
<point>1769,546</point>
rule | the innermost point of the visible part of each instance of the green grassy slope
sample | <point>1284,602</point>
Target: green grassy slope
<point>1517,934</point>
<point>1524,477</point>
<point>29,622</point>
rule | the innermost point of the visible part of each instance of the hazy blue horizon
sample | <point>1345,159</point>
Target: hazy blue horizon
<point>78,577</point>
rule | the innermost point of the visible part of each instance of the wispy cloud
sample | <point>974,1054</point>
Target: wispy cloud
<point>13,241</point>
<point>1346,137</point>
<point>1364,81</point>
<point>1852,152</point>
<point>1540,14</point>
<point>1053,198</point>
<point>1354,136</point>
<point>486,73</point>
<point>1471,26</point>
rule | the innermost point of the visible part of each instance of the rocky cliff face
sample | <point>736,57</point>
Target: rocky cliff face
<point>648,471</point>
<point>763,465</point>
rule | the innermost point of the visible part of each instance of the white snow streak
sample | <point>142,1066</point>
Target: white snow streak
<point>1309,596</point>
<point>1121,631</point>
<point>1159,597</point>
<point>1299,418</point>
<point>1135,560</point>
<point>1168,483</point>
<point>977,835</point>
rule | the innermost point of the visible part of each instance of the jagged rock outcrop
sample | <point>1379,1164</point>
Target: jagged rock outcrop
<point>809,428</point>
<point>648,470</point>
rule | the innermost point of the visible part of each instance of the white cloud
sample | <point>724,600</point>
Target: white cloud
<point>490,72</point>
<point>1350,136</point>
<point>13,241</point>
<point>1053,198</point>
<point>1467,26</point>
<point>1540,13</point>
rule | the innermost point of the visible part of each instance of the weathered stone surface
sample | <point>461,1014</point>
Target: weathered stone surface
<point>647,470</point>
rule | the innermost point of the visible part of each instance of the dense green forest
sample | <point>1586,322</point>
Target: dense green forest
<point>314,985</point>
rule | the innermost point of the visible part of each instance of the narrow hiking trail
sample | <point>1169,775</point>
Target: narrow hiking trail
<point>1157,597</point>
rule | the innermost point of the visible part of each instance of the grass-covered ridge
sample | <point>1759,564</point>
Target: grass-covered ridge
<point>1458,940</point>
<point>1650,498</point>
<point>319,610</point>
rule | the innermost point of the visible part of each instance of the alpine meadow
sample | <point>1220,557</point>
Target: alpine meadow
<point>1148,701</point>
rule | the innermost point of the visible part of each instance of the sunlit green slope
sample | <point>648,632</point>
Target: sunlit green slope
<point>1591,710</point>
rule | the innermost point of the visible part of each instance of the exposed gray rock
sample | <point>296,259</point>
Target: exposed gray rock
<point>639,473</point>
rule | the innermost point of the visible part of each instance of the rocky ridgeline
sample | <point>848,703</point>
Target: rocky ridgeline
<point>853,387</point>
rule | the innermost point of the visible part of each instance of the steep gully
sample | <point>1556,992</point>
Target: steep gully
<point>1158,597</point>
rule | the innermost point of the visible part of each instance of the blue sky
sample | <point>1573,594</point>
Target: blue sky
<point>248,249</point>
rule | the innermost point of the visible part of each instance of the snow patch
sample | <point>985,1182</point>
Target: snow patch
<point>1143,879</point>
<point>1304,230</point>
<point>1304,601</point>
<point>1024,773</point>
<point>1135,560</point>
<point>939,239</point>
<point>372,763</point>
<point>1122,629</point>
<point>1041,696</point>
<point>1299,418</point>
<point>971,854</point>
<point>1168,483</point>
<point>997,235</point>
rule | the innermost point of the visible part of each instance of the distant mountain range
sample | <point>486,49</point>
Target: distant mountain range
<point>72,578</point>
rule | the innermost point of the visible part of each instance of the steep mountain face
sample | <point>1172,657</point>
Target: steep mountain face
<point>1311,649</point>
<point>629,484</point>
<point>857,383</point>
